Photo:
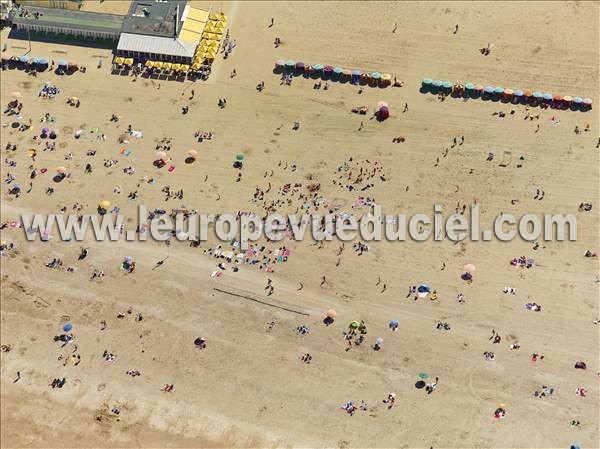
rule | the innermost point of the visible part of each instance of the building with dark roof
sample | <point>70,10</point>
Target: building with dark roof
<point>67,22</point>
<point>151,31</point>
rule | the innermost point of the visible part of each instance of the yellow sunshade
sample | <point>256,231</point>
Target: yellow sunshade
<point>209,27</point>
<point>189,36</point>
<point>214,16</point>
<point>176,67</point>
<point>197,14</point>
<point>210,56</point>
<point>128,61</point>
<point>149,64</point>
<point>184,67</point>
<point>196,66</point>
<point>210,36</point>
<point>118,60</point>
<point>167,66</point>
<point>158,65</point>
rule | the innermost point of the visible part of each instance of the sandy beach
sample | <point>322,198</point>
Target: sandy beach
<point>248,387</point>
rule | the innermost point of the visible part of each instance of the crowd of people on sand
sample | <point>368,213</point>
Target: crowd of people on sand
<point>300,192</point>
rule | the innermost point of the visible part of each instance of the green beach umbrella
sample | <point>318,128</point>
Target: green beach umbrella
<point>239,157</point>
<point>423,376</point>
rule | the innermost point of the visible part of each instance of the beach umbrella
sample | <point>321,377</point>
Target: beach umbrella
<point>538,95</point>
<point>331,313</point>
<point>354,324</point>
<point>437,83</point>
<point>587,101</point>
<point>509,92</point>
<point>128,259</point>
<point>447,85</point>
<point>45,130</point>
<point>382,104</point>
<point>499,90</point>
<point>557,97</point>
<point>423,288</point>
<point>104,204</point>
<point>328,69</point>
<point>478,88</point>
<point>567,98</point>
<point>527,93</point>
<point>423,376</point>
<point>199,341</point>
<point>33,61</point>
<point>42,61</point>
<point>318,67</point>
<point>386,77</point>
<point>383,113</point>
<point>347,72</point>
<point>239,157</point>
<point>426,82</point>
<point>356,73</point>
<point>167,66</point>
<point>376,76</point>
<point>161,155</point>
<point>300,66</point>
<point>6,57</point>
<point>518,93</point>
<point>575,446</point>
<point>67,327</point>
<point>184,68</point>
<point>469,86</point>
<point>469,268</point>
<point>290,64</point>
<point>379,341</point>
<point>128,61</point>
<point>24,59</point>
<point>394,323</point>
<point>62,63</point>
<point>338,70</point>
<point>488,90</point>
<point>547,96</point>
<point>192,153</point>
<point>61,169</point>
<point>577,100</point>
<point>148,63</point>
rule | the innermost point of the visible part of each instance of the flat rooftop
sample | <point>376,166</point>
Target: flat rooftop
<point>154,18</point>
<point>64,18</point>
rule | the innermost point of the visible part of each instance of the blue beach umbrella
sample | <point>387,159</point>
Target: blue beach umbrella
<point>437,83</point>
<point>499,90</point>
<point>62,63</point>
<point>447,84</point>
<point>547,96</point>
<point>426,81</point>
<point>67,327</point>
<point>469,86</point>
<point>24,59</point>
<point>488,90</point>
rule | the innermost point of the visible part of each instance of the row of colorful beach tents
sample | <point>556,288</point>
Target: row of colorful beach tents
<point>525,96</point>
<point>333,73</point>
<point>40,64</point>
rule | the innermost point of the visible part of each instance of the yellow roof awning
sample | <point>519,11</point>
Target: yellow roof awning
<point>213,16</point>
<point>158,65</point>
<point>167,66</point>
<point>176,66</point>
<point>189,36</point>
<point>199,15</point>
<point>118,60</point>
<point>128,61</point>
<point>184,67</point>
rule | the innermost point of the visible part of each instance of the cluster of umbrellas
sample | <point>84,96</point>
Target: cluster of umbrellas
<point>333,73</point>
<point>211,38</point>
<point>39,63</point>
<point>167,66</point>
<point>513,95</point>
<point>128,62</point>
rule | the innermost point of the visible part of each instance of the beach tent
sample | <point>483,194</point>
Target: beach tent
<point>423,288</point>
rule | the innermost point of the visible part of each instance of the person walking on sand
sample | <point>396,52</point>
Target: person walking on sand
<point>456,29</point>
<point>395,27</point>
<point>272,22</point>
<point>405,107</point>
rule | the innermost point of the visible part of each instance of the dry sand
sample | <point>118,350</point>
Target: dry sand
<point>248,388</point>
